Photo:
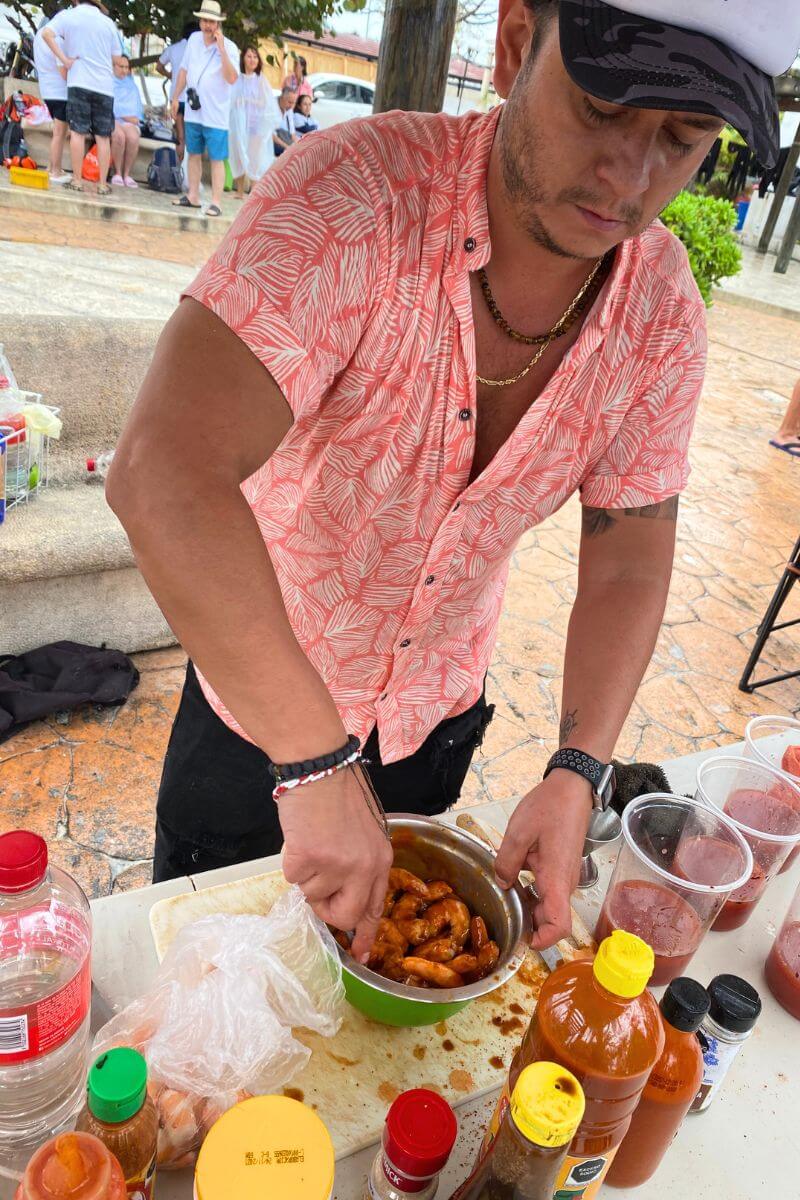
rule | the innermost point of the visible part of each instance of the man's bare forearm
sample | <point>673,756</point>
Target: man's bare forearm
<point>626,562</point>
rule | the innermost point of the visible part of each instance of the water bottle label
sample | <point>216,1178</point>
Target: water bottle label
<point>33,1029</point>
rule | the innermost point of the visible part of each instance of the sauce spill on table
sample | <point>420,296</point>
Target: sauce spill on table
<point>461,1081</point>
<point>496,1062</point>
<point>448,1045</point>
<point>294,1094</point>
<point>388,1092</point>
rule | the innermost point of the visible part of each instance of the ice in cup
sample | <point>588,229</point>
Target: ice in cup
<point>764,805</point>
<point>678,862</point>
<point>776,742</point>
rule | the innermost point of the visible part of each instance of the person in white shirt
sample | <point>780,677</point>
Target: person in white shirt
<point>254,113</point>
<point>88,44</point>
<point>284,133</point>
<point>169,64</point>
<point>210,68</point>
<point>52,78</point>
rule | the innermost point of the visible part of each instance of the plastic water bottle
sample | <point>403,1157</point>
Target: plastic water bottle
<point>99,466</point>
<point>45,994</point>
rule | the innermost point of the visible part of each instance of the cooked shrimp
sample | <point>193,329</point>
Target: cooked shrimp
<point>342,938</point>
<point>478,933</point>
<point>407,907</point>
<point>476,966</point>
<point>439,974</point>
<point>443,913</point>
<point>387,950</point>
<point>404,881</point>
<point>439,949</point>
<point>438,889</point>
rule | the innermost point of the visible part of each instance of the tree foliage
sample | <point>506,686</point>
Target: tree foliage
<point>705,226</point>
<point>247,19</point>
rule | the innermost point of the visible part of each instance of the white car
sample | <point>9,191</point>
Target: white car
<point>340,98</point>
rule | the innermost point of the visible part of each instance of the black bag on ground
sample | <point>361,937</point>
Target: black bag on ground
<point>58,677</point>
<point>12,143</point>
<point>164,173</point>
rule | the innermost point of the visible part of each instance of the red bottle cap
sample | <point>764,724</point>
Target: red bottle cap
<point>421,1128</point>
<point>91,464</point>
<point>23,860</point>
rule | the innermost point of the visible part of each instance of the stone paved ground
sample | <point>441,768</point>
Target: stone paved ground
<point>88,781</point>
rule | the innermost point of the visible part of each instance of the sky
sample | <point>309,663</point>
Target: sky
<point>368,24</point>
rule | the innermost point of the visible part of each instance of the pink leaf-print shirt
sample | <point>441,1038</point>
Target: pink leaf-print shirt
<point>347,274</point>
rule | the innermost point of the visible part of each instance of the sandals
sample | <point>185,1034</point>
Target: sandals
<point>213,210</point>
<point>791,447</point>
<point>184,202</point>
<point>103,190</point>
<point>72,186</point>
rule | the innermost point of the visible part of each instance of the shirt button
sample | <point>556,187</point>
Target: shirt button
<point>464,414</point>
<point>431,579</point>
<point>470,244</point>
<point>405,643</point>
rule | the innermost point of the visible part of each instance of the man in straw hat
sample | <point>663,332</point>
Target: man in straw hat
<point>421,336</point>
<point>210,67</point>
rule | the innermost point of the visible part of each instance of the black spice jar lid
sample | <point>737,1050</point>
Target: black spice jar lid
<point>685,1004</point>
<point>735,1004</point>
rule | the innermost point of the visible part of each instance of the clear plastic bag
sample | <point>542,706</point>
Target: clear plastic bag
<point>216,1026</point>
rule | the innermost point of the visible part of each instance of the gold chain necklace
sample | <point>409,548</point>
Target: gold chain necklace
<point>560,327</point>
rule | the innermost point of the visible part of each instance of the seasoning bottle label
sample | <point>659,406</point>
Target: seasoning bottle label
<point>717,1058</point>
<point>583,1177</point>
<point>142,1186</point>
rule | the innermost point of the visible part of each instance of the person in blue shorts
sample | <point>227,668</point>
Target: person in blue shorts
<point>210,68</point>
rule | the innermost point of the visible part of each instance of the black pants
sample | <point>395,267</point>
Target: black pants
<point>215,803</point>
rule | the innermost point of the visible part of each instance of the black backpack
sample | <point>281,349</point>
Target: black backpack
<point>164,174</point>
<point>12,143</point>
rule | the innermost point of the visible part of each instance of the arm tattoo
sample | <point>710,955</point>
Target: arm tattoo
<point>598,520</point>
<point>569,722</point>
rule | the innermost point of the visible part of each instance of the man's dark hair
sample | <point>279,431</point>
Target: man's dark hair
<point>544,10</point>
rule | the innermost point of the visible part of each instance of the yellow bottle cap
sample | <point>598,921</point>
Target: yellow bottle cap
<point>623,964</point>
<point>267,1146</point>
<point>547,1104</point>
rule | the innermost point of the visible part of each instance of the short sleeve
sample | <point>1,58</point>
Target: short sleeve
<point>57,22</point>
<point>165,57</point>
<point>647,460</point>
<point>300,270</point>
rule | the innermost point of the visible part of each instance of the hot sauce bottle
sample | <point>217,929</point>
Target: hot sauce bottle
<point>598,1020</point>
<point>671,1088</point>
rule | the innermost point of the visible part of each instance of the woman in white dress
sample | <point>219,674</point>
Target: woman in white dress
<point>254,115</point>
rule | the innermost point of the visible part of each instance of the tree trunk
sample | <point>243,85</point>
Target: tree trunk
<point>415,54</point>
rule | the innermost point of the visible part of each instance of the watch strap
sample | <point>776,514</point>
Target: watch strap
<point>598,774</point>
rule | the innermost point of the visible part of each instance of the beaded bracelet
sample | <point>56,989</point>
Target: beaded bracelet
<point>289,785</point>
<point>283,772</point>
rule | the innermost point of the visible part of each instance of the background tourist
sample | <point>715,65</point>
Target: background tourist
<point>88,44</point>
<point>788,436</point>
<point>297,79</point>
<point>128,114</point>
<point>169,64</point>
<point>52,78</point>
<point>284,133</point>
<point>303,122</point>
<point>254,115</point>
<point>210,68</point>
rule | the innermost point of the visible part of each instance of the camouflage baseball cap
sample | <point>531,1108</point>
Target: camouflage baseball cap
<point>630,55</point>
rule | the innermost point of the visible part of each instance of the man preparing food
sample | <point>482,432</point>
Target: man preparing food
<point>420,337</point>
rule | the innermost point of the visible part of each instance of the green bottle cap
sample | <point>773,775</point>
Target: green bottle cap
<point>117,1086</point>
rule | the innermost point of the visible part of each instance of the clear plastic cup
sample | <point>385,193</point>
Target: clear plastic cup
<point>678,863</point>
<point>782,968</point>
<point>764,805</point>
<point>784,735</point>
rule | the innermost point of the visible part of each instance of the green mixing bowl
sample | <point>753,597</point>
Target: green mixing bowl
<point>435,850</point>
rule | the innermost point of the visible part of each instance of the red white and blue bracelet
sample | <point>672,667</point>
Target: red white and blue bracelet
<point>288,785</point>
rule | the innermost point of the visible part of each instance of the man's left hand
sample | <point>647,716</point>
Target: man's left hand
<point>545,836</point>
<point>219,36</point>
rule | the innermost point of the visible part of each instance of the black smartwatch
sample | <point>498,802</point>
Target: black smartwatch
<point>601,776</point>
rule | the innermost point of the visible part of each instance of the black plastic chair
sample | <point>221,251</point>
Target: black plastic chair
<point>767,627</point>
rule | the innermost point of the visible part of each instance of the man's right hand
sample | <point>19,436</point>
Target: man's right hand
<point>338,854</point>
<point>174,107</point>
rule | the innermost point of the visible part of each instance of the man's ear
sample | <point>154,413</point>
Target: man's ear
<point>513,43</point>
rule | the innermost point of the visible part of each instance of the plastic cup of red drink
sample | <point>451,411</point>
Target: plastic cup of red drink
<point>764,805</point>
<point>782,968</point>
<point>782,751</point>
<point>678,863</point>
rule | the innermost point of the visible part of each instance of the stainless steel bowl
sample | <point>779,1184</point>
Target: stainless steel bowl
<point>434,850</point>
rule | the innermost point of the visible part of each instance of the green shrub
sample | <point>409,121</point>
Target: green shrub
<point>705,226</point>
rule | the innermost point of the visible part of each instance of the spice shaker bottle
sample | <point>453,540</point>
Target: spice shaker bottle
<point>121,1114</point>
<point>526,1156</point>
<point>669,1091</point>
<point>735,1008</point>
<point>419,1134</point>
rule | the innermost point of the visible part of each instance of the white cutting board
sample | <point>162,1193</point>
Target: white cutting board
<point>353,1077</point>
